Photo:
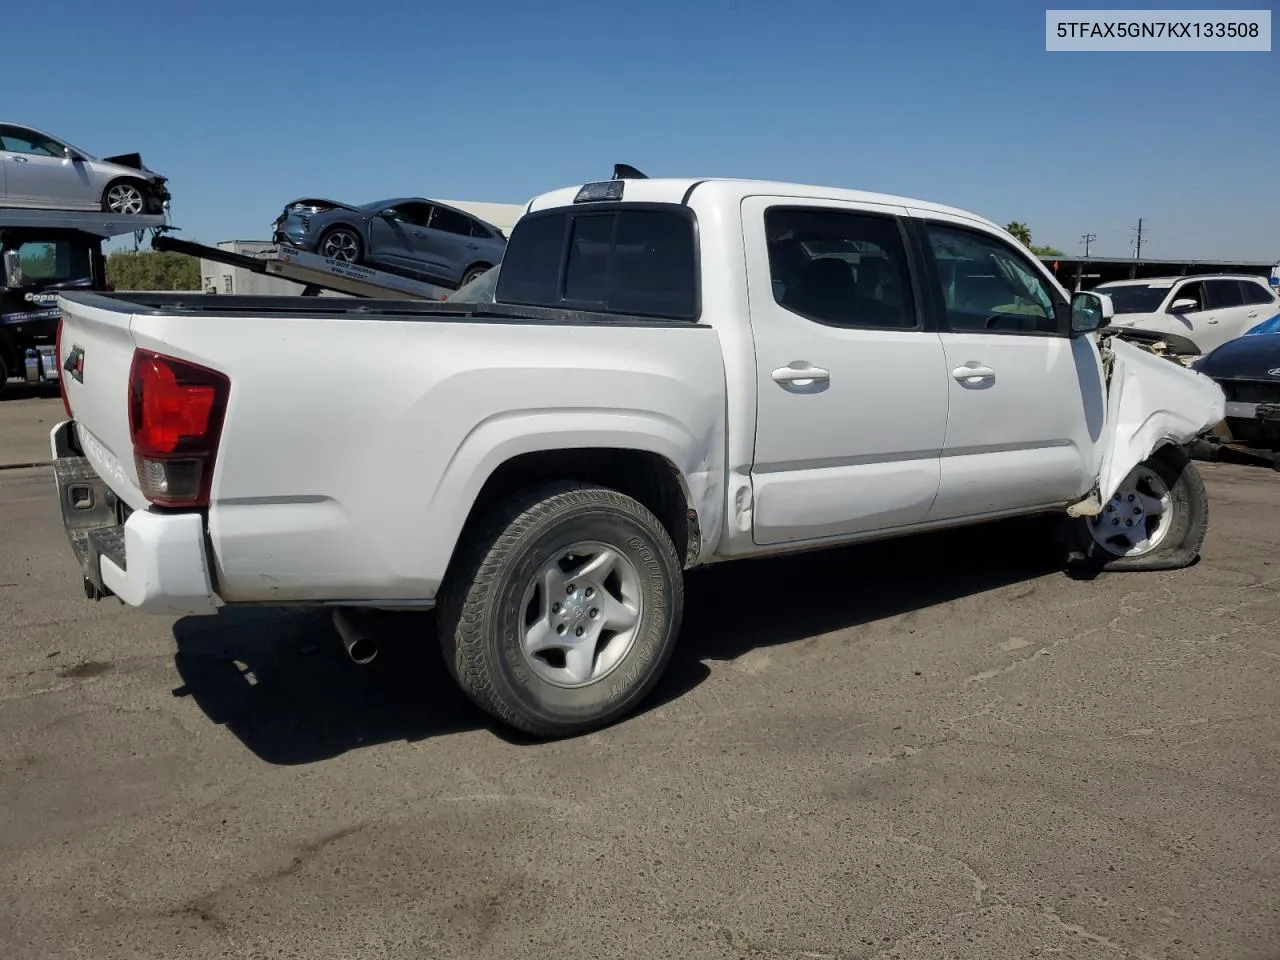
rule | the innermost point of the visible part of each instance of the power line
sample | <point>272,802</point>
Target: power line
<point>1087,239</point>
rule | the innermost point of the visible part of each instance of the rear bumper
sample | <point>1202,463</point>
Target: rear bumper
<point>156,562</point>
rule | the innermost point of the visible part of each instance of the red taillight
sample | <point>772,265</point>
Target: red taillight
<point>175,415</point>
<point>62,374</point>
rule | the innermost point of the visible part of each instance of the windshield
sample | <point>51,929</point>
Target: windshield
<point>1135,298</point>
<point>479,290</point>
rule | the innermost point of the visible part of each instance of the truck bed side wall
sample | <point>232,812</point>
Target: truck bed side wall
<point>353,449</point>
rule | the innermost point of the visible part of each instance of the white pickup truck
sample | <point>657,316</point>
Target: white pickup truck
<point>670,373</point>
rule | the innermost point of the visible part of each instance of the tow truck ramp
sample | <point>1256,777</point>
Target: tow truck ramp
<point>313,271</point>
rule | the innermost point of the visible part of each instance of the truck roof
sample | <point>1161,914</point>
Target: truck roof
<point>679,190</point>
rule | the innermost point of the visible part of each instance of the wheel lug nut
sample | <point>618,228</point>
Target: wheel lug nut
<point>593,613</point>
<point>590,592</point>
<point>1137,510</point>
<point>1128,523</point>
<point>571,589</point>
<point>1131,498</point>
<point>561,628</point>
<point>579,632</point>
<point>555,608</point>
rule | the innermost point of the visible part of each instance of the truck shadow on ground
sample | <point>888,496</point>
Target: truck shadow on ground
<point>282,683</point>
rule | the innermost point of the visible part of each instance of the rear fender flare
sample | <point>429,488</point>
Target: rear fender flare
<point>498,439</point>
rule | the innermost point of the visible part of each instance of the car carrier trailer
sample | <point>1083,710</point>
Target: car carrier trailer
<point>45,253</point>
<point>314,272</point>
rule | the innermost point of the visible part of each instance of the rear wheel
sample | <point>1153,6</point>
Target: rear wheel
<point>1157,520</point>
<point>473,272</point>
<point>341,243</point>
<point>124,196</point>
<point>563,612</point>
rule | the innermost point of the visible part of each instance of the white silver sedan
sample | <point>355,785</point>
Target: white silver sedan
<point>42,172</point>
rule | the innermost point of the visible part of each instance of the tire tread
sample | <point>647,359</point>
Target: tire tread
<point>484,553</point>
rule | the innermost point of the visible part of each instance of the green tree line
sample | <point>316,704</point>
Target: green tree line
<point>1022,233</point>
<point>152,270</point>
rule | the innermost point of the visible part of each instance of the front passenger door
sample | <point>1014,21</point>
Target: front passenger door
<point>1027,402</point>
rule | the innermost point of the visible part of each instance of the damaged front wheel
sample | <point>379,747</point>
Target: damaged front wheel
<point>1156,520</point>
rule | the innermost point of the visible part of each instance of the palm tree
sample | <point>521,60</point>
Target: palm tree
<point>1021,232</point>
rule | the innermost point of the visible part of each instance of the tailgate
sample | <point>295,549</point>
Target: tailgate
<point>95,355</point>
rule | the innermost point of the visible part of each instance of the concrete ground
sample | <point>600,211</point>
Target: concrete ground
<point>27,414</point>
<point>942,747</point>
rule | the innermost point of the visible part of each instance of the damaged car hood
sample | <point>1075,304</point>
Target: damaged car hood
<point>1150,402</point>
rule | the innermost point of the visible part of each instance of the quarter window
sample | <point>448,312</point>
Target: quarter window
<point>1255,293</point>
<point>987,286</point>
<point>840,268</point>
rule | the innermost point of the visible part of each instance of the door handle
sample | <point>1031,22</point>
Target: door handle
<point>1212,320</point>
<point>973,373</point>
<point>1253,315</point>
<point>18,159</point>
<point>800,374</point>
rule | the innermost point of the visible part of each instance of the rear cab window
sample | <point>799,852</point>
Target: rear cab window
<point>624,258</point>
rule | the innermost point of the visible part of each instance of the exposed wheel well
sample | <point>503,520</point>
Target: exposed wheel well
<point>649,478</point>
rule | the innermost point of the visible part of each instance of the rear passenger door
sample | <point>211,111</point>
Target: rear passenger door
<point>1229,315</point>
<point>448,241</point>
<point>1026,401</point>
<point>851,385</point>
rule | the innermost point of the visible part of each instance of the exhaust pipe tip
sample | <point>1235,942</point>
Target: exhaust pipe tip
<point>360,647</point>
<point>362,650</point>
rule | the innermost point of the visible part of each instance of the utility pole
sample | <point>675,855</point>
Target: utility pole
<point>1087,239</point>
<point>1137,252</point>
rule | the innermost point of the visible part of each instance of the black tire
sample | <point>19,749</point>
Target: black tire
<point>482,607</point>
<point>1180,546</point>
<point>473,272</point>
<point>137,185</point>
<point>358,244</point>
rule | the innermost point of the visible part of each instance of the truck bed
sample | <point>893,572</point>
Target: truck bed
<point>358,433</point>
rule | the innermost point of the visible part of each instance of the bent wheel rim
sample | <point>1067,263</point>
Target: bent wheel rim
<point>581,614</point>
<point>1137,519</point>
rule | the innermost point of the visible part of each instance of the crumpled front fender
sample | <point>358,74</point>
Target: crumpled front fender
<point>1151,402</point>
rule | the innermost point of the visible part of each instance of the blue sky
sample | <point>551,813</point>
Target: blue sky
<point>245,106</point>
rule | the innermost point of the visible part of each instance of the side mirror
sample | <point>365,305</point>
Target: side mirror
<point>1183,305</point>
<point>1090,311</point>
<point>12,269</point>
